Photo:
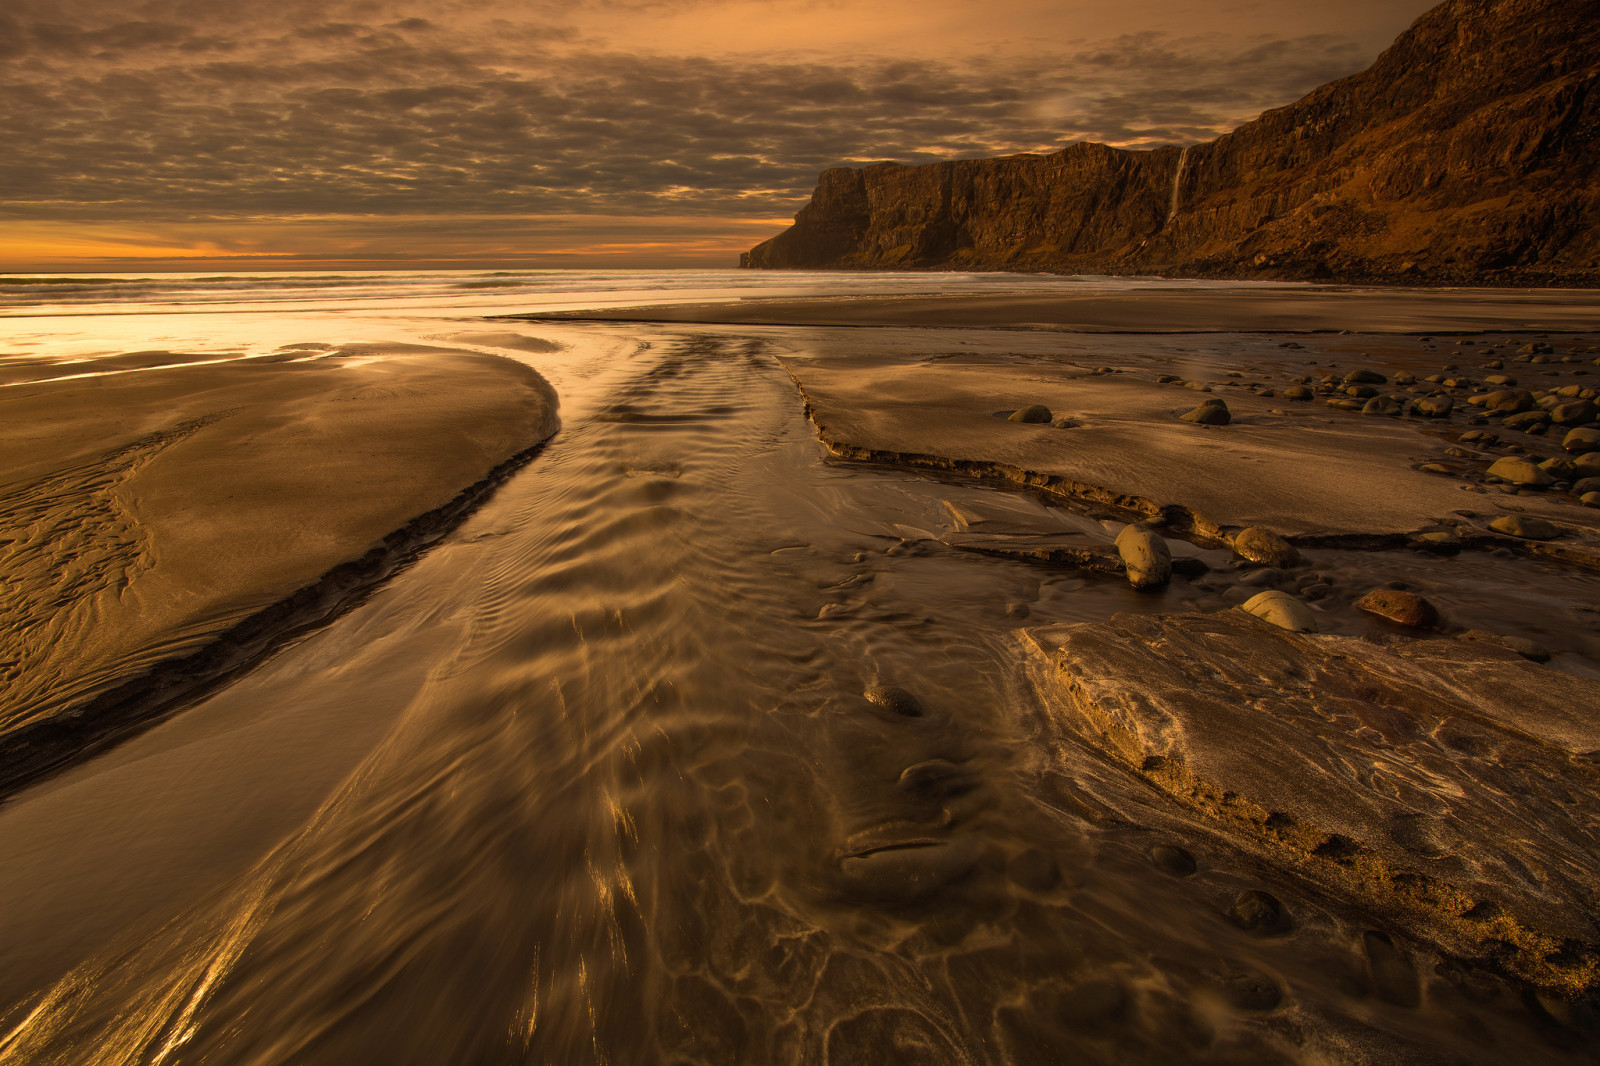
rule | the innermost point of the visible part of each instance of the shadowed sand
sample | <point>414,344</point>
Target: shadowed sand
<point>150,513</point>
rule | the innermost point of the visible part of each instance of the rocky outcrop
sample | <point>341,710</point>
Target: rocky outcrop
<point>1465,153</point>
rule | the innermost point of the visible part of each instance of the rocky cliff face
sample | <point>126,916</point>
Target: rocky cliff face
<point>1468,152</point>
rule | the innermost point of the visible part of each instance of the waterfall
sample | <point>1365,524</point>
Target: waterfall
<point>1177,176</point>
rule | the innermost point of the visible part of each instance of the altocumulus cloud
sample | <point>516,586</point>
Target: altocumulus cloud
<point>195,110</point>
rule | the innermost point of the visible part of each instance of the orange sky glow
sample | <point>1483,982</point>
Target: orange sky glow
<point>167,135</point>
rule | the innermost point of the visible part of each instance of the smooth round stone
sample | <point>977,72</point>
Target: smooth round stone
<point>1508,401</point>
<point>1264,546</point>
<point>1586,439</point>
<point>1519,472</point>
<point>1365,377</point>
<point>1261,913</point>
<point>1210,413</point>
<point>896,700</point>
<point>1504,380</point>
<point>1577,413</point>
<point>1434,407</point>
<point>1298,392</point>
<point>1171,859</point>
<point>1404,608</point>
<point>1559,469</point>
<point>1527,421</point>
<point>1381,405</point>
<point>1145,557</point>
<point>1525,526</point>
<point>1586,465</point>
<point>1033,414</point>
<point>1405,377</point>
<point>1588,484</point>
<point>1590,499</point>
<point>1282,610</point>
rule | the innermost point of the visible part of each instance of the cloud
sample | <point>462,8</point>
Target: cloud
<point>192,112</point>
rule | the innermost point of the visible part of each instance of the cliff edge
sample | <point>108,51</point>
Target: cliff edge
<point>1466,153</point>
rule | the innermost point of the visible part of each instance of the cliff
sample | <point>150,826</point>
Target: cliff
<point>1467,153</point>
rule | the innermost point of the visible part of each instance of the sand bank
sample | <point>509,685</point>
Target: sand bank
<point>1222,309</point>
<point>165,526</point>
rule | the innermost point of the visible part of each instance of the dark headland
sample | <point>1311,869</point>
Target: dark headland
<point>1466,154</point>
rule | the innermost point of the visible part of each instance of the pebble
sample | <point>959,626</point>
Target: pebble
<point>1404,608</point>
<point>1264,546</point>
<point>1525,526</point>
<point>1260,913</point>
<point>1035,413</point>
<point>1519,472</point>
<point>1145,557</point>
<point>896,700</point>
<point>1381,405</point>
<point>1210,413</point>
<point>1281,610</point>
<point>1433,407</point>
<point>1171,859</point>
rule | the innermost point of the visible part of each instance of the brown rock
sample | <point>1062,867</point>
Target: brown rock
<point>1404,608</point>
<point>1264,546</point>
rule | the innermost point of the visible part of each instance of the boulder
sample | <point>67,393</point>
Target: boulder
<point>1145,557</point>
<point>1298,392</point>
<point>1526,421</point>
<point>1282,610</point>
<point>1397,605</point>
<point>1034,414</point>
<point>1508,401</point>
<point>1577,413</point>
<point>1264,546</point>
<point>1582,440</point>
<point>1365,377</point>
<point>1210,413</point>
<point>1381,405</point>
<point>1433,407</point>
<point>1525,526</point>
<point>1519,472</point>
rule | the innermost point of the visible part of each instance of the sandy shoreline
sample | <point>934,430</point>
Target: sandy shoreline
<point>154,512</point>
<point>1225,309</point>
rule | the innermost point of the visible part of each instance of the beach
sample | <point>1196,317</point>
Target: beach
<point>725,669</point>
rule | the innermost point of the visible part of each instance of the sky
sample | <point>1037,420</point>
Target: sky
<point>141,135</point>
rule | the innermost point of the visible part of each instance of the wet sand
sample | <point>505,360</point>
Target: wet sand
<point>795,706</point>
<point>161,502</point>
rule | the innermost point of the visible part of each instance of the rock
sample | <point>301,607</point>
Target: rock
<point>1525,526</point>
<point>1587,484</point>
<point>1438,541</point>
<point>1519,472</point>
<point>1508,401</point>
<point>1171,859</point>
<point>1579,413</point>
<point>1582,440</point>
<point>1298,392</point>
<point>1034,414</point>
<point>1527,421</point>
<point>1145,556</point>
<point>1361,392</point>
<point>1365,377</point>
<point>1500,379</point>
<point>1586,465</point>
<point>1264,546</point>
<point>1064,423</point>
<point>1405,377</point>
<point>1590,499</point>
<point>1434,406</point>
<point>1381,405</point>
<point>1559,469</point>
<point>1404,608</point>
<point>936,777</point>
<point>1260,913</point>
<point>1210,413</point>
<point>895,700</point>
<point>1282,610</point>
